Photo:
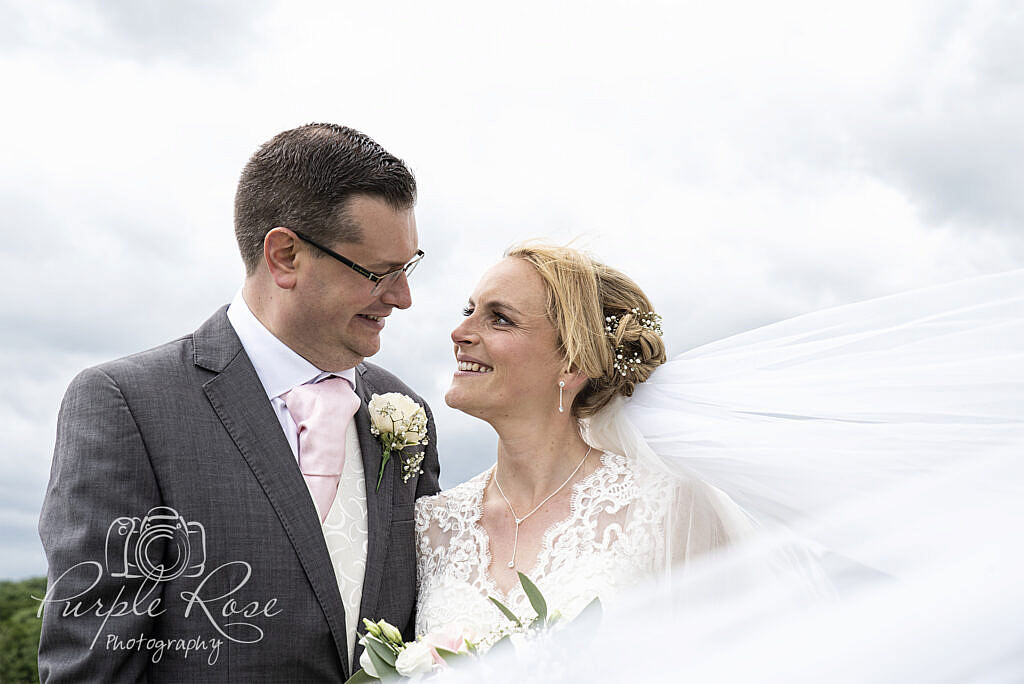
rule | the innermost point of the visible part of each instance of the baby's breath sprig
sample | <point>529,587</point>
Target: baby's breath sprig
<point>623,362</point>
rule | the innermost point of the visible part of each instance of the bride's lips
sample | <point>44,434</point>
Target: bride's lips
<point>467,365</point>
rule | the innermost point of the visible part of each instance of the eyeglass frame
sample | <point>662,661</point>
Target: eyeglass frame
<point>376,278</point>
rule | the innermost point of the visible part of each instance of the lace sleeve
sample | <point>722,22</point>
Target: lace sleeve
<point>430,540</point>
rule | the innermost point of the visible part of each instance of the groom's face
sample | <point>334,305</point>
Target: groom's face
<point>339,318</point>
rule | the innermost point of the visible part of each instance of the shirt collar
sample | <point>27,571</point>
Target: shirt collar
<point>279,368</point>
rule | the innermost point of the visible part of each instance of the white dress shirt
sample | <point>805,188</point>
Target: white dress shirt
<point>346,528</point>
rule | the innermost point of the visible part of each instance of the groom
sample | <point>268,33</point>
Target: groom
<point>213,511</point>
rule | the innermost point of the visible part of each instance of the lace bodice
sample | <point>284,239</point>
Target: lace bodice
<point>613,536</point>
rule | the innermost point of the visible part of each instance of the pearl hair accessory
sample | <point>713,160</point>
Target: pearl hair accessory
<point>649,320</point>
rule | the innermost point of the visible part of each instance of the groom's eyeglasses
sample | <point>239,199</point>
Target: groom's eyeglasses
<point>380,281</point>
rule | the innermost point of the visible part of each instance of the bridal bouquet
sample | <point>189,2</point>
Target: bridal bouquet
<point>387,657</point>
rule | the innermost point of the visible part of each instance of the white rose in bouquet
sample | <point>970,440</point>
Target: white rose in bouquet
<point>416,658</point>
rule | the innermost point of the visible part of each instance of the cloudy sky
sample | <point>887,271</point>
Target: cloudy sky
<point>745,161</point>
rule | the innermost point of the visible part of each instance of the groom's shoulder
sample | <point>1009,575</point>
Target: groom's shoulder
<point>160,364</point>
<point>384,380</point>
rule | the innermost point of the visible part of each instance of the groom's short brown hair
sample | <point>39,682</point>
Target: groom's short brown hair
<point>303,178</point>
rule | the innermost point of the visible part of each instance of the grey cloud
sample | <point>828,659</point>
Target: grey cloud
<point>962,164</point>
<point>952,137</point>
<point>106,279</point>
<point>13,25</point>
<point>189,31</point>
<point>111,318</point>
<point>25,466</point>
<point>23,552</point>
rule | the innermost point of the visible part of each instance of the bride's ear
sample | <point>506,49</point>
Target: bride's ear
<point>573,379</point>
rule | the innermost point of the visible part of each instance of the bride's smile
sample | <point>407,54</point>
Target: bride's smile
<point>470,365</point>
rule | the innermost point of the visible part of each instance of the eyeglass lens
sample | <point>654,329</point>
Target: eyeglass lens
<point>390,278</point>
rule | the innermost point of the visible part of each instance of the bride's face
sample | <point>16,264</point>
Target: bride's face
<point>506,349</point>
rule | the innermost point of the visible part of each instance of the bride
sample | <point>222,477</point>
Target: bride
<point>550,338</point>
<point>610,474</point>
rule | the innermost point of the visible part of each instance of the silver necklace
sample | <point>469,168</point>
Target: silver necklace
<point>520,521</point>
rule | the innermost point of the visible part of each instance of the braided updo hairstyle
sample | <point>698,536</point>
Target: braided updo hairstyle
<point>582,295</point>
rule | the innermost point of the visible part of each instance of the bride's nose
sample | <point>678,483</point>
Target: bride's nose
<point>464,332</point>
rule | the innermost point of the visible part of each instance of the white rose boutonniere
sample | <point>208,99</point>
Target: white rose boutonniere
<point>398,422</point>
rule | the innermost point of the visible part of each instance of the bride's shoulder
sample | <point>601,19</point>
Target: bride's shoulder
<point>458,499</point>
<point>626,476</point>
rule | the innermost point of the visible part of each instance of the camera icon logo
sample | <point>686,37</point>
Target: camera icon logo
<point>161,546</point>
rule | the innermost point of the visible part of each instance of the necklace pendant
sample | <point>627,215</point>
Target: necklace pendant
<point>511,564</point>
<point>519,521</point>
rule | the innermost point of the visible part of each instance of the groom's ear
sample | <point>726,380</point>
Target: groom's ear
<point>280,252</point>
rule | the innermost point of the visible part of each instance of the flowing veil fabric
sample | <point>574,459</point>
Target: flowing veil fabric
<point>879,448</point>
<point>834,408</point>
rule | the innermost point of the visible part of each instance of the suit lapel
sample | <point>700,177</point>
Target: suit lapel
<point>241,403</point>
<point>378,503</point>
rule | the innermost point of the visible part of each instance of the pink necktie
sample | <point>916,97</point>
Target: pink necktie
<point>322,412</point>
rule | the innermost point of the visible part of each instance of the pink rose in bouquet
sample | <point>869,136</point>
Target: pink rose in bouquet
<point>447,642</point>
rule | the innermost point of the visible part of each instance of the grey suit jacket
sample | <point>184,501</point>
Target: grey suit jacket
<point>182,541</point>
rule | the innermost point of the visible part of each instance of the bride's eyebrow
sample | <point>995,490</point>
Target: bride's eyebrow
<point>496,303</point>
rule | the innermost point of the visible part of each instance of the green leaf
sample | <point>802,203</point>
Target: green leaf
<point>360,677</point>
<point>451,657</point>
<point>380,649</point>
<point>508,613</point>
<point>380,665</point>
<point>536,598</point>
<point>385,457</point>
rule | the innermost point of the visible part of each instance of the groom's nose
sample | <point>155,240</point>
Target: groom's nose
<point>397,293</point>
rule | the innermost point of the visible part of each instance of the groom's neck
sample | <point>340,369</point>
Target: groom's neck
<point>272,312</point>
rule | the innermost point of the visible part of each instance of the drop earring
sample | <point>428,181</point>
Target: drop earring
<point>561,384</point>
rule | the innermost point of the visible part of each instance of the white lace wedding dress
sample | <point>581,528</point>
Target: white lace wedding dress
<point>615,537</point>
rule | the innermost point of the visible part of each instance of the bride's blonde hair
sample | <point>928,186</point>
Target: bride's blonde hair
<point>582,295</point>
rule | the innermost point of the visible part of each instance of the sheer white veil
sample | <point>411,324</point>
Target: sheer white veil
<point>877,448</point>
<point>835,408</point>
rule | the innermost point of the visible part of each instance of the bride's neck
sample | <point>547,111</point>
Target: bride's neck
<point>532,463</point>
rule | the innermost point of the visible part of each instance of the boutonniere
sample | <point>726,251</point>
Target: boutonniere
<point>398,422</point>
